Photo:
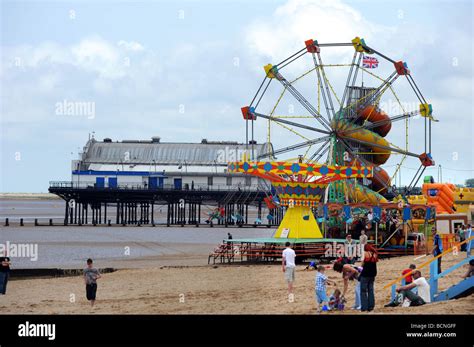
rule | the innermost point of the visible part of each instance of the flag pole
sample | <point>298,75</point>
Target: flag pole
<point>362,75</point>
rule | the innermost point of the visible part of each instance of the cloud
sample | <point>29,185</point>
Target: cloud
<point>138,89</point>
<point>128,83</point>
<point>131,46</point>
<point>286,29</point>
<point>91,54</point>
<point>98,55</point>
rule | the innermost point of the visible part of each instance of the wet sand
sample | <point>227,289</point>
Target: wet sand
<point>121,247</point>
<point>223,289</point>
<point>29,196</point>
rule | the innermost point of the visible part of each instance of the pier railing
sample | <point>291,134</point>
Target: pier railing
<point>137,186</point>
<point>433,266</point>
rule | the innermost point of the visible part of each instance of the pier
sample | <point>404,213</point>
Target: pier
<point>138,205</point>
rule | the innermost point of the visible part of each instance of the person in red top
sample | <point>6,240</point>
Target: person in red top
<point>409,278</point>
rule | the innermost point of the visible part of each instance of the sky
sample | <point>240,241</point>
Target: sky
<point>182,70</point>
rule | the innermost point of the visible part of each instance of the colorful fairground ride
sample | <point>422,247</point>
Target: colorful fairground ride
<point>331,180</point>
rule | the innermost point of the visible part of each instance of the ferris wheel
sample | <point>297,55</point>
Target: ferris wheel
<point>336,112</point>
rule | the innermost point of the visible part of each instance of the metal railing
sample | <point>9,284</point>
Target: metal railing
<point>434,275</point>
<point>144,186</point>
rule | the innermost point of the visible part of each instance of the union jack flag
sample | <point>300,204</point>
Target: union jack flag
<point>370,62</point>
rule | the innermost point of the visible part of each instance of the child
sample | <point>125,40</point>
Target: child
<point>311,266</point>
<point>320,288</point>
<point>336,301</point>
<point>91,275</point>
<point>409,278</point>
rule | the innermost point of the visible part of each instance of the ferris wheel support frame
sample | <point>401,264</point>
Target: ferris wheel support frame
<point>333,135</point>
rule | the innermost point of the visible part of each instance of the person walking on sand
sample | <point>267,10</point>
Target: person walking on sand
<point>367,278</point>
<point>91,275</point>
<point>4,273</point>
<point>288,266</point>
<point>437,247</point>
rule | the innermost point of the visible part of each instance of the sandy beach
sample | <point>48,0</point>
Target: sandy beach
<point>167,273</point>
<point>222,289</point>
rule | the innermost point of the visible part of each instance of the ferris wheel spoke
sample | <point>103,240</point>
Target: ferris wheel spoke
<point>294,147</point>
<point>288,122</point>
<point>349,84</point>
<point>383,122</point>
<point>352,153</point>
<point>301,99</point>
<point>388,148</point>
<point>320,152</point>
<point>377,93</point>
<point>310,108</point>
<point>354,79</point>
<point>415,179</point>
<point>320,155</point>
<point>374,96</point>
<point>324,82</point>
<point>324,89</point>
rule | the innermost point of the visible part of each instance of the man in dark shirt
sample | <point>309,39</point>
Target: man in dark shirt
<point>437,247</point>
<point>4,274</point>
